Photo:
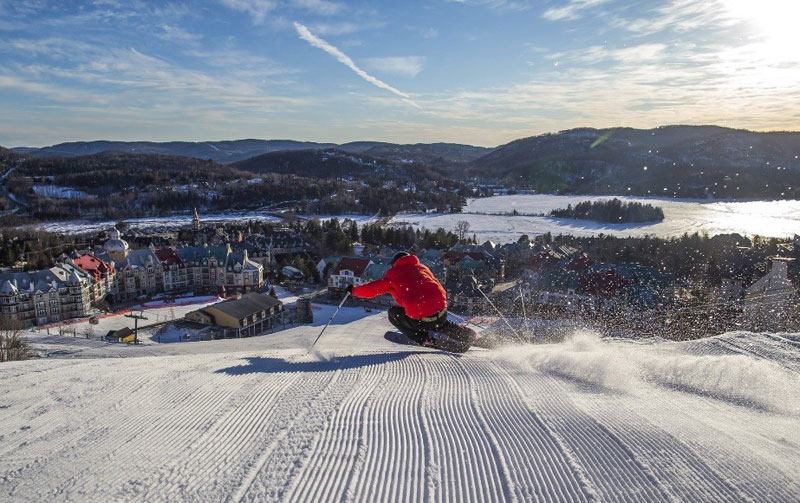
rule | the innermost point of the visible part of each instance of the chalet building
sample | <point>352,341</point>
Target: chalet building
<point>266,249</point>
<point>768,302</point>
<point>349,271</point>
<point>103,274</point>
<point>252,314</point>
<point>47,296</point>
<point>206,266</point>
<point>218,269</point>
<point>138,272</point>
<point>242,275</point>
<point>175,272</point>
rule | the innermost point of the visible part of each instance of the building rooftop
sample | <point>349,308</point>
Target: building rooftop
<point>247,305</point>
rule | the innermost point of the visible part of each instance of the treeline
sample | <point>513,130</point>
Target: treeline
<point>133,185</point>
<point>38,249</point>
<point>611,211</point>
<point>694,257</point>
<point>405,237</point>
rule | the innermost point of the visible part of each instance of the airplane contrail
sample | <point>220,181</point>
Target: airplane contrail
<point>343,58</point>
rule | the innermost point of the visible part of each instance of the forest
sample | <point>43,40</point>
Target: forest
<point>611,211</point>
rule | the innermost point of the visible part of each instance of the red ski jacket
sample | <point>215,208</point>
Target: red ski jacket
<point>413,286</point>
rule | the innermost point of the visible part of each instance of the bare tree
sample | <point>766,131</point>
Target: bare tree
<point>12,345</point>
<point>462,228</point>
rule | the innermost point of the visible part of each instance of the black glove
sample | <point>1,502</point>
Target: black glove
<point>349,289</point>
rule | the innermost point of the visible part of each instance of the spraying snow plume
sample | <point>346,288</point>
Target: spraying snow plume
<point>343,58</point>
<point>642,368</point>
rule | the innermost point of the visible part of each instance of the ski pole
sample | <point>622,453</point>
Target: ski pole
<point>498,310</point>
<point>522,299</point>
<point>330,320</point>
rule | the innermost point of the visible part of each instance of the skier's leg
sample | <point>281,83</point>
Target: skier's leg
<point>457,339</point>
<point>410,328</point>
<point>458,332</point>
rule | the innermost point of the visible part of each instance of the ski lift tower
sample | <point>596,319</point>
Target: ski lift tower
<point>136,318</point>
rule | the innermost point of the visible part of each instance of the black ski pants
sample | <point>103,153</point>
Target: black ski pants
<point>417,330</point>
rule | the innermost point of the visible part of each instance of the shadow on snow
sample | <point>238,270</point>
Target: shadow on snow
<point>266,365</point>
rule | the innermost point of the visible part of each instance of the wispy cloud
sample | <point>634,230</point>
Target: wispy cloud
<point>258,9</point>
<point>499,4</point>
<point>319,7</point>
<point>342,28</point>
<point>171,32</point>
<point>571,10</point>
<point>404,66</point>
<point>343,58</point>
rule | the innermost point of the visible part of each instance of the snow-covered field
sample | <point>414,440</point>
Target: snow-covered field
<point>764,218</point>
<point>58,192</point>
<point>175,222</point>
<point>258,419</point>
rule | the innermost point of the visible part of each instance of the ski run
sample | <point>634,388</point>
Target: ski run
<point>262,419</point>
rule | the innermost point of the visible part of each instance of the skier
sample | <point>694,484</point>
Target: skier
<point>421,304</point>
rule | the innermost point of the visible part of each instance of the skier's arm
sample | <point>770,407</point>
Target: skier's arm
<point>372,289</point>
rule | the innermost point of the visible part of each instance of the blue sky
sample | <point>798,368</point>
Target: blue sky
<point>483,72</point>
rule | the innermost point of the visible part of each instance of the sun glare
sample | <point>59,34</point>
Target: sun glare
<point>775,22</point>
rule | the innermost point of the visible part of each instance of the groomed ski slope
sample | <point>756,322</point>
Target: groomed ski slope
<point>259,420</point>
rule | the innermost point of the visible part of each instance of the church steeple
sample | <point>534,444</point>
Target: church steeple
<point>196,221</point>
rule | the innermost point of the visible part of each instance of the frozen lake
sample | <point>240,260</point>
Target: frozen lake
<point>487,218</point>
<point>490,218</point>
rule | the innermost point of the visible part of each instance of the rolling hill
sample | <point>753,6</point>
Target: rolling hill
<point>691,161</point>
<point>236,150</point>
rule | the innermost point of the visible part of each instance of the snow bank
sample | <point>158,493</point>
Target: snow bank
<point>640,368</point>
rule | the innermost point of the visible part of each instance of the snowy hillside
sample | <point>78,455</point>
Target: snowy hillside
<point>259,420</point>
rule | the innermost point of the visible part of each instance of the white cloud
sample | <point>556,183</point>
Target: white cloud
<point>404,66</point>
<point>343,28</point>
<point>571,10</point>
<point>177,33</point>
<point>258,9</point>
<point>343,58</point>
<point>319,7</point>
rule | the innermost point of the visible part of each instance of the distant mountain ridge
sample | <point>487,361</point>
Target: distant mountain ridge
<point>681,161</point>
<point>228,151</point>
<point>322,163</point>
<point>225,151</point>
<point>684,161</point>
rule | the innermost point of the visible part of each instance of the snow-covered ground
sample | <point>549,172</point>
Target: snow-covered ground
<point>260,419</point>
<point>155,311</point>
<point>58,192</point>
<point>764,218</point>
<point>177,221</point>
<point>171,222</point>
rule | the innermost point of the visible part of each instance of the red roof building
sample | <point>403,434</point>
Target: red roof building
<point>99,269</point>
<point>355,265</point>
<point>168,257</point>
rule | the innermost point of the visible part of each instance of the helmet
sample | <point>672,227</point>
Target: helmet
<point>398,256</point>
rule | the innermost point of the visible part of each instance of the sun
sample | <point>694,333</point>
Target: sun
<point>776,23</point>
